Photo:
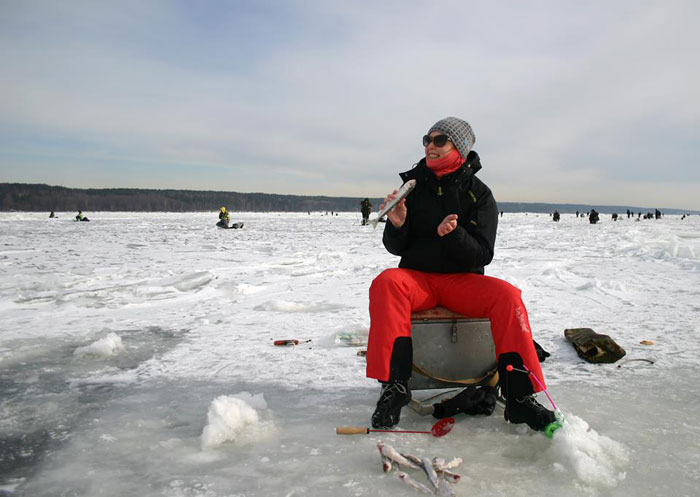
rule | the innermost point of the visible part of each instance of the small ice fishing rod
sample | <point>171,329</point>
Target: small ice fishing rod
<point>439,429</point>
<point>554,425</point>
<point>281,343</point>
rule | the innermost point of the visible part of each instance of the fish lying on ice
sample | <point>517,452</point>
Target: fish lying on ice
<point>386,463</point>
<point>435,469</point>
<point>413,483</point>
<point>403,191</point>
<point>439,463</point>
<point>449,476</point>
<point>393,454</point>
<point>445,490</point>
<point>415,460</point>
<point>430,471</point>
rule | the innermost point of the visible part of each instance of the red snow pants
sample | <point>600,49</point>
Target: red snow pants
<point>396,293</point>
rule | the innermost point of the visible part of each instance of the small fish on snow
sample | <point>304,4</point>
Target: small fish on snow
<point>443,473</point>
<point>430,471</point>
<point>413,483</point>
<point>415,460</point>
<point>386,463</point>
<point>393,454</point>
<point>449,476</point>
<point>453,463</point>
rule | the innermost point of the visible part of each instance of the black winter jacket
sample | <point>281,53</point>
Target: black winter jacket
<point>469,247</point>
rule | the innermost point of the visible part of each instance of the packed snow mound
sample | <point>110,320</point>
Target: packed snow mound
<point>236,419</point>
<point>596,459</point>
<point>105,347</point>
<point>288,306</point>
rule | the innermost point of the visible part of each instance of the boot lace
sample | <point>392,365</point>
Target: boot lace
<point>389,391</point>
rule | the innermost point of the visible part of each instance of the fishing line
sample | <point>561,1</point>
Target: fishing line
<point>560,419</point>
<point>630,360</point>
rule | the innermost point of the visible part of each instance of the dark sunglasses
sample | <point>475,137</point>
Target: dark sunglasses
<point>438,140</point>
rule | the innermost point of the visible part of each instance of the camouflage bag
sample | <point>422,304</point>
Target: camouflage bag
<point>593,347</point>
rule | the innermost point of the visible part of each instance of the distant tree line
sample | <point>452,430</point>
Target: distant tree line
<point>34,197</point>
<point>37,198</point>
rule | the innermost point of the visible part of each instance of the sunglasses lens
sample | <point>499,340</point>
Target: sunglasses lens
<point>438,140</point>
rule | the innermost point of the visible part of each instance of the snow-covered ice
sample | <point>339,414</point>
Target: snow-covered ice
<point>109,345</point>
<point>136,358</point>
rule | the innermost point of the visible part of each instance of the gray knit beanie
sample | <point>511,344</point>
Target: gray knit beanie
<point>458,131</point>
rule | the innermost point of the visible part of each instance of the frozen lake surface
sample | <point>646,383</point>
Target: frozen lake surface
<point>136,358</point>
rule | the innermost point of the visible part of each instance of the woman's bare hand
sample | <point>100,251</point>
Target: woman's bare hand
<point>447,225</point>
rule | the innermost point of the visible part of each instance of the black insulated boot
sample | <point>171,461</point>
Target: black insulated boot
<point>528,410</point>
<point>394,396</point>
<point>521,406</point>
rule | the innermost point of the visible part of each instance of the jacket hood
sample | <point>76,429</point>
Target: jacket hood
<point>473,162</point>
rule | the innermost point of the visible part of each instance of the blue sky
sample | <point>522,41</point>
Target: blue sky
<point>592,102</point>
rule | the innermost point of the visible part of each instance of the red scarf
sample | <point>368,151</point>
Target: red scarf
<point>447,164</point>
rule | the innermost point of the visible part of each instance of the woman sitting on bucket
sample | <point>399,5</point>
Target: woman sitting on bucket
<point>445,231</point>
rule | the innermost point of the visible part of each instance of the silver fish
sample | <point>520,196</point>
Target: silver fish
<point>413,483</point>
<point>453,463</point>
<point>448,475</point>
<point>393,454</point>
<point>439,463</point>
<point>430,471</point>
<point>415,460</point>
<point>403,191</point>
<point>441,467</point>
<point>386,463</point>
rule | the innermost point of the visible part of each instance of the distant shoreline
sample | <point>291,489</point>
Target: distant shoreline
<point>24,197</point>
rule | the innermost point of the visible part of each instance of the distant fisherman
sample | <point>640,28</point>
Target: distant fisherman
<point>80,217</point>
<point>224,218</point>
<point>365,208</point>
<point>445,231</point>
<point>593,217</point>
